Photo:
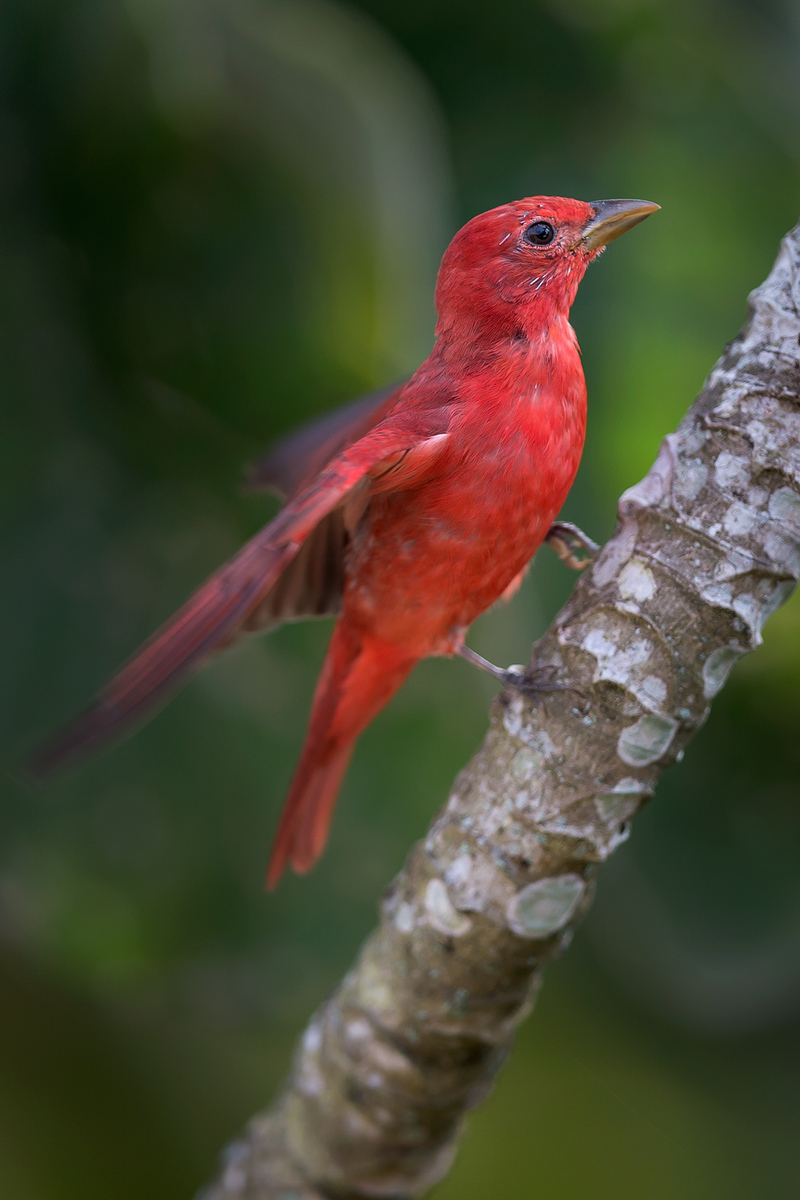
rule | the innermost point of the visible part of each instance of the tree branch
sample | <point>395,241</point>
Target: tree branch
<point>707,547</point>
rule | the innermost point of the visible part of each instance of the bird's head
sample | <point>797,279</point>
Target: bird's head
<point>520,264</point>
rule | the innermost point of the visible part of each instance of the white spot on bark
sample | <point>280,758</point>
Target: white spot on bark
<point>636,581</point>
<point>720,594</point>
<point>546,906</point>
<point>693,439</point>
<point>781,550</point>
<point>615,553</point>
<point>515,721</point>
<point>624,665</point>
<point>731,471</point>
<point>617,805</point>
<point>655,689</point>
<point>646,741</point>
<point>758,432</point>
<point>717,668</point>
<point>234,1179</point>
<point>404,918</point>
<point>784,505</point>
<point>513,716</point>
<point>690,478</point>
<point>373,991</point>
<point>358,1030</point>
<point>540,740</point>
<point>749,609</point>
<point>389,1059</point>
<point>524,763</point>
<point>441,913</point>
<point>739,519</point>
<point>476,883</point>
<point>310,1080</point>
<point>458,871</point>
<point>312,1039</point>
<point>735,563</point>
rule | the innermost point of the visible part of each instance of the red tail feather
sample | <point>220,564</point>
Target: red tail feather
<point>359,677</point>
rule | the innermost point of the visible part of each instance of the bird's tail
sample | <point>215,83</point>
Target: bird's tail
<point>359,677</point>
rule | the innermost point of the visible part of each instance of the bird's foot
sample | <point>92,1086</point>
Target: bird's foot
<point>522,679</point>
<point>535,682</point>
<point>571,544</point>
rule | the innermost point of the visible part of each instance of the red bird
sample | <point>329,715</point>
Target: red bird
<point>409,513</point>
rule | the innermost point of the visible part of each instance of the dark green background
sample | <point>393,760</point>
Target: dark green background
<point>217,218</point>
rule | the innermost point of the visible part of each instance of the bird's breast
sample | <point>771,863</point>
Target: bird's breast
<point>429,559</point>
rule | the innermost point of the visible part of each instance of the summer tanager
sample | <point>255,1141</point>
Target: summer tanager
<point>409,513</point>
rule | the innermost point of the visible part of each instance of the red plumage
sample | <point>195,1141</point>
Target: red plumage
<point>410,513</point>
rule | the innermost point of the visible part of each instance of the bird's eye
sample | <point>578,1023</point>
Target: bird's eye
<point>540,233</point>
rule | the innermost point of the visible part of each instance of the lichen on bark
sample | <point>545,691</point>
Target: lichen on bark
<point>707,547</point>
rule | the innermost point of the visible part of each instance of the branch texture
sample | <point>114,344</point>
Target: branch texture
<point>707,547</point>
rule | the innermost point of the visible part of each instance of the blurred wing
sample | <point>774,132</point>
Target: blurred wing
<point>253,590</point>
<point>312,585</point>
<point>296,459</point>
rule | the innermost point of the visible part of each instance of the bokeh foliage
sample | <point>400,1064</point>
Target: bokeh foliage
<point>216,219</point>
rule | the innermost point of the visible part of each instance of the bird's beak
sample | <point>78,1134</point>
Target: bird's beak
<point>611,218</point>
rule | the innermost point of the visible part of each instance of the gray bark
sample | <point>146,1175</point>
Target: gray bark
<point>707,547</point>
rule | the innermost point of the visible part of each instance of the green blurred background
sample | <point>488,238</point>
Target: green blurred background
<point>218,218</point>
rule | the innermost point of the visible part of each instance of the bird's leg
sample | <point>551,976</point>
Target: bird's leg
<point>572,546</point>
<point>530,684</point>
<point>478,660</point>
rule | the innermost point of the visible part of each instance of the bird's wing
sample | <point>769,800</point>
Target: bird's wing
<point>229,601</point>
<point>311,585</point>
<point>294,460</point>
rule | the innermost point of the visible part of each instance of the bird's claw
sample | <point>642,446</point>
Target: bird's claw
<point>571,544</point>
<point>522,679</point>
<point>534,683</point>
<point>514,676</point>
